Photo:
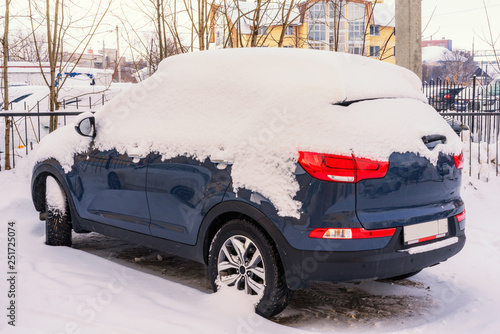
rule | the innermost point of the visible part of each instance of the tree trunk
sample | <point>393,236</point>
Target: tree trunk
<point>256,23</point>
<point>6,84</point>
<point>159,23</point>
<point>285,22</point>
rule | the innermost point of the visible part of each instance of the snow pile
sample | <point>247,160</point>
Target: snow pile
<point>61,145</point>
<point>259,107</point>
<point>56,200</point>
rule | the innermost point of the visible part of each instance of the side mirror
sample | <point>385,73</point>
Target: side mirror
<point>86,127</point>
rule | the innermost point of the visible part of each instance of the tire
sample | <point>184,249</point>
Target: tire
<point>57,220</point>
<point>265,273</point>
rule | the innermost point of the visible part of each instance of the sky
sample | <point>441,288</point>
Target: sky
<point>463,21</point>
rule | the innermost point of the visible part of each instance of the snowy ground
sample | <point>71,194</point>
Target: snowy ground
<point>102,285</point>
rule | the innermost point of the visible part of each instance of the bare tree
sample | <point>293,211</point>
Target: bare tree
<point>152,47</point>
<point>199,22</point>
<point>456,67</point>
<point>5,44</point>
<point>491,40</point>
<point>22,47</point>
<point>459,67</point>
<point>58,23</point>
<point>255,24</point>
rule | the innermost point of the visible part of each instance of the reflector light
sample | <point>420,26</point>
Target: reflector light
<point>459,160</point>
<point>350,233</point>
<point>338,168</point>
<point>461,216</point>
<point>432,237</point>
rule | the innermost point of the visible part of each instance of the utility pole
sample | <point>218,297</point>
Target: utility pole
<point>409,35</point>
<point>118,55</point>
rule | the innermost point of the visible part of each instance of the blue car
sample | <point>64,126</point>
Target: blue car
<point>358,208</point>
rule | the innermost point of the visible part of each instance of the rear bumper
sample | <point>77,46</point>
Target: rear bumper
<point>390,261</point>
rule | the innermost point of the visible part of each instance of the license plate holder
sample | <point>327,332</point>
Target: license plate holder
<point>417,233</point>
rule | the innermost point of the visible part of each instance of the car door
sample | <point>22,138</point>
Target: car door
<point>180,192</point>
<point>110,188</point>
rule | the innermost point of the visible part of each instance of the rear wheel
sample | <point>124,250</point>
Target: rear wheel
<point>57,219</point>
<point>242,257</point>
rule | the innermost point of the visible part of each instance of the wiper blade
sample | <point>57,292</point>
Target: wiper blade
<point>347,103</point>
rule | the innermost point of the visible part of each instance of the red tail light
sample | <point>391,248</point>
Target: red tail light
<point>461,216</point>
<point>338,168</point>
<point>447,96</point>
<point>459,160</point>
<point>350,233</point>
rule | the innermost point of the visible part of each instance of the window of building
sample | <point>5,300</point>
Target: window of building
<point>289,31</point>
<point>375,51</point>
<point>318,11</point>
<point>334,8</point>
<point>375,30</point>
<point>262,30</point>
<point>288,46</point>
<point>317,31</point>
<point>356,11</point>
<point>318,46</point>
<point>354,49</point>
<point>356,31</point>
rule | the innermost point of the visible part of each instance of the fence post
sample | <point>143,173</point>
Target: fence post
<point>38,111</point>
<point>26,133</point>
<point>13,149</point>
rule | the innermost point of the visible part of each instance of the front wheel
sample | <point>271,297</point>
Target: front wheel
<point>57,219</point>
<point>242,257</point>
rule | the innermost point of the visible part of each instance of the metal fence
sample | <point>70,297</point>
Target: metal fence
<point>30,122</point>
<point>28,128</point>
<point>477,107</point>
<point>84,102</point>
<point>481,141</point>
<point>474,97</point>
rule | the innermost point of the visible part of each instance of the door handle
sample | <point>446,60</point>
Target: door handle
<point>222,161</point>
<point>136,156</point>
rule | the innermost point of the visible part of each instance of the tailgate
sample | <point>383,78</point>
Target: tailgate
<point>413,191</point>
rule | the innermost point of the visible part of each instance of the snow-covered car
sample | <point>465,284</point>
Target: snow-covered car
<point>274,167</point>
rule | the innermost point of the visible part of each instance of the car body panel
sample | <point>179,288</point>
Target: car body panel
<point>110,188</point>
<point>180,192</point>
<point>413,191</point>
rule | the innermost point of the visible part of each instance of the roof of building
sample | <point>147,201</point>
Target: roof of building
<point>434,54</point>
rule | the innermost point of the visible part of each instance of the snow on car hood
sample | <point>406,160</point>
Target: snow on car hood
<point>259,107</point>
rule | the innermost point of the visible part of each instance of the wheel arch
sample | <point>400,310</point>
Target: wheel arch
<point>42,170</point>
<point>237,209</point>
<point>39,178</point>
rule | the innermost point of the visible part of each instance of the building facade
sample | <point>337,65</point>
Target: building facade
<point>351,26</point>
<point>444,43</point>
